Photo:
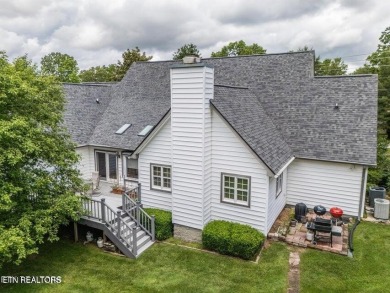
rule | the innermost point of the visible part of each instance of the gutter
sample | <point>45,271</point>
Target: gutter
<point>284,167</point>
<point>352,230</point>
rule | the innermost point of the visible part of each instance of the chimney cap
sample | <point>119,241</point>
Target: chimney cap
<point>191,59</point>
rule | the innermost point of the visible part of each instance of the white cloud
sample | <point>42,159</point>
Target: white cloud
<point>96,32</point>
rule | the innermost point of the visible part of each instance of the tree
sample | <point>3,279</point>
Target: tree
<point>186,50</point>
<point>379,63</point>
<point>99,74</point>
<point>62,66</point>
<point>328,66</point>
<point>239,48</point>
<point>38,177</point>
<point>129,57</point>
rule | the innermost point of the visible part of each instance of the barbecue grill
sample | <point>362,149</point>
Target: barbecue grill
<point>322,229</point>
<point>320,210</point>
<point>336,213</point>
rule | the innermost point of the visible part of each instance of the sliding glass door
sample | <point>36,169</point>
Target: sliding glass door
<point>106,165</point>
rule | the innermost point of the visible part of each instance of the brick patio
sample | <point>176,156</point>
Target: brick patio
<point>297,235</point>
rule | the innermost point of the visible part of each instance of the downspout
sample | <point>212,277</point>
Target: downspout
<point>352,230</point>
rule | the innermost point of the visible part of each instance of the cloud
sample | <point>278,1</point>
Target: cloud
<point>96,32</point>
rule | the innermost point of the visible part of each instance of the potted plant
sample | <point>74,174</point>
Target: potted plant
<point>117,189</point>
<point>293,221</point>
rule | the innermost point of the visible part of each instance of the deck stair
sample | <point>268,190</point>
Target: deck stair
<point>131,229</point>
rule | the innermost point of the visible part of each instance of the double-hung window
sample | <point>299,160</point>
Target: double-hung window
<point>279,185</point>
<point>160,177</point>
<point>235,189</point>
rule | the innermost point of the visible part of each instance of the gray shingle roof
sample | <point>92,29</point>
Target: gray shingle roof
<point>244,113</point>
<point>82,113</point>
<point>300,106</point>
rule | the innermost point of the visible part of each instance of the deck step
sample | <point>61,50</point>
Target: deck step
<point>144,240</point>
<point>144,247</point>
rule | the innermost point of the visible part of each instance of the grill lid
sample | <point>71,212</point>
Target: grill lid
<point>336,212</point>
<point>319,210</point>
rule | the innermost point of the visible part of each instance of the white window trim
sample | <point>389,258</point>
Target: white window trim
<point>235,201</point>
<point>279,185</point>
<point>157,187</point>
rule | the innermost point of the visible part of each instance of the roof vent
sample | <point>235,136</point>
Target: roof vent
<point>122,129</point>
<point>191,59</point>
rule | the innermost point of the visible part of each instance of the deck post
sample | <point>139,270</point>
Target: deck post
<point>139,192</point>
<point>124,201</point>
<point>153,227</point>
<point>137,215</point>
<point>118,218</point>
<point>103,205</point>
<point>135,241</point>
<point>76,232</point>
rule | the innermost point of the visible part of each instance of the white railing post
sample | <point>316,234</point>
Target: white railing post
<point>135,241</point>
<point>103,207</point>
<point>118,218</point>
<point>153,227</point>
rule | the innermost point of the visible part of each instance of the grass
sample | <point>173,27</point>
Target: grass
<point>178,241</point>
<point>368,271</point>
<point>163,268</point>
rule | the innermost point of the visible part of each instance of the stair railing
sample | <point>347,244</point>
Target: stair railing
<point>135,211</point>
<point>99,210</point>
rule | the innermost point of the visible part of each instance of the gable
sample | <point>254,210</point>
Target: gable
<point>244,113</point>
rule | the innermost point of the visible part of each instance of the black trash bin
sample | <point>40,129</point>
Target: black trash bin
<point>300,211</point>
<point>376,192</point>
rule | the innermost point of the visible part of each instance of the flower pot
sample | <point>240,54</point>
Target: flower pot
<point>293,223</point>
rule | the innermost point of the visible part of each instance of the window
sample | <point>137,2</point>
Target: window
<point>146,130</point>
<point>132,168</point>
<point>279,185</point>
<point>160,177</point>
<point>235,189</point>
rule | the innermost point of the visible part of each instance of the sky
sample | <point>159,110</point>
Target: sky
<point>96,32</point>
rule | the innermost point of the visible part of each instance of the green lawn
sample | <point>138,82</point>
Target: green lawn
<point>368,271</point>
<point>163,268</point>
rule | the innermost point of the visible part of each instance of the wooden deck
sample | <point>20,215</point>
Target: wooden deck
<point>121,218</point>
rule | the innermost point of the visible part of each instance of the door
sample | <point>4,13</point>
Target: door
<point>106,165</point>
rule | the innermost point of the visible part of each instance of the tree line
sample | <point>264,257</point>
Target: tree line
<point>65,68</point>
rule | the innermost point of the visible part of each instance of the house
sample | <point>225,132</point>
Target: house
<point>233,138</point>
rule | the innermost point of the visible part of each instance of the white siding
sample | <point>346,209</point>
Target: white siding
<point>87,163</point>
<point>325,183</point>
<point>191,89</point>
<point>229,155</point>
<point>158,151</point>
<point>275,204</point>
<point>207,194</point>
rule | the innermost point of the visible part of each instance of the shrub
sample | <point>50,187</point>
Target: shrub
<point>232,239</point>
<point>163,223</point>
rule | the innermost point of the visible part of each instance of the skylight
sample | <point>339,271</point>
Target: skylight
<point>146,130</point>
<point>122,129</point>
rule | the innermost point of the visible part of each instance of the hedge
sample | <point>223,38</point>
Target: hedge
<point>232,239</point>
<point>163,223</point>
